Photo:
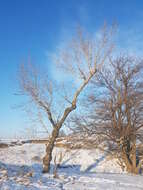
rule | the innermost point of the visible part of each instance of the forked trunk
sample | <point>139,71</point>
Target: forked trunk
<point>130,161</point>
<point>48,157</point>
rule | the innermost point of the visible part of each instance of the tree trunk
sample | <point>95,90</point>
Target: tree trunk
<point>135,168</point>
<point>48,157</point>
<point>130,160</point>
<point>55,133</point>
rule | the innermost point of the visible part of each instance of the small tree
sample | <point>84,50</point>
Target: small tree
<point>117,117</point>
<point>80,60</point>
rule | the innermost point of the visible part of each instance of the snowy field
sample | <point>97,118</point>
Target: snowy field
<point>21,169</point>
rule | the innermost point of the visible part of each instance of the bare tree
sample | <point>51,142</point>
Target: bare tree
<point>80,60</point>
<point>117,117</point>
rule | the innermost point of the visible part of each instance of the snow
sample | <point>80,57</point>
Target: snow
<point>21,169</point>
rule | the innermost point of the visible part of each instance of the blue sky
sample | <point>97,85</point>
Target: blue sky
<point>31,28</point>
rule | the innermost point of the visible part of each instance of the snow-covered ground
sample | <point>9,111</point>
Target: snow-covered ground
<point>21,169</point>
